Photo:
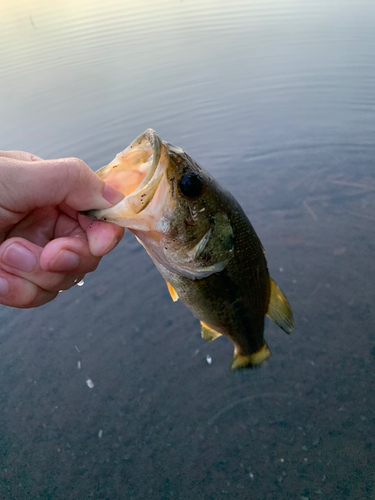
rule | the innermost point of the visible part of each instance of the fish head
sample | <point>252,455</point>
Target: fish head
<point>172,205</point>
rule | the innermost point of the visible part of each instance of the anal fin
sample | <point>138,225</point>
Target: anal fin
<point>279,309</point>
<point>250,360</point>
<point>172,292</point>
<point>208,334</point>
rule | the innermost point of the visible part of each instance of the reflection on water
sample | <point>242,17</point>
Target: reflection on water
<point>277,100</point>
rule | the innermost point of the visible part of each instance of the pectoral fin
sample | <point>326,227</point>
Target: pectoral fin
<point>208,334</point>
<point>279,309</point>
<point>250,360</point>
<point>172,292</point>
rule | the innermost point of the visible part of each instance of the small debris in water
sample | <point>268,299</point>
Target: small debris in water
<point>80,283</point>
<point>79,365</point>
<point>251,475</point>
<point>339,251</point>
<point>77,348</point>
<point>100,433</point>
<point>281,269</point>
<point>90,383</point>
<point>282,460</point>
<point>208,359</point>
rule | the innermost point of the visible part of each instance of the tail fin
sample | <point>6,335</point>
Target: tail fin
<point>250,360</point>
<point>279,309</point>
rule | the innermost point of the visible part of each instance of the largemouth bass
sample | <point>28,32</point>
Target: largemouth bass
<point>201,242</point>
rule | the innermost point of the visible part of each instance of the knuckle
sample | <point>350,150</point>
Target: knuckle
<point>31,296</point>
<point>73,170</point>
<point>79,165</point>
<point>24,294</point>
<point>37,297</point>
<point>77,173</point>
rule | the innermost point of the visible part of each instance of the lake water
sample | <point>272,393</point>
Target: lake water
<point>277,100</point>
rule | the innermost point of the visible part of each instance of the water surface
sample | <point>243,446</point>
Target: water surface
<point>277,100</point>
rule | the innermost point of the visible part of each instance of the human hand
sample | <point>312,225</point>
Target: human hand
<point>45,244</point>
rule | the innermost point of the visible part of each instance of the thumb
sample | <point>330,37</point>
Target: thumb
<point>26,185</point>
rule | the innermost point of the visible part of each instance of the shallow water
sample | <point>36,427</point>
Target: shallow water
<point>277,100</point>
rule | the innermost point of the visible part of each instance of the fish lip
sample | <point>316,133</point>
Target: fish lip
<point>156,145</point>
<point>152,179</point>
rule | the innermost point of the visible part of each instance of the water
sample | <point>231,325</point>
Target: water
<point>277,100</point>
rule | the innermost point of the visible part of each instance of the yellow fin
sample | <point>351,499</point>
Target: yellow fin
<point>251,360</point>
<point>208,334</point>
<point>172,292</point>
<point>279,309</point>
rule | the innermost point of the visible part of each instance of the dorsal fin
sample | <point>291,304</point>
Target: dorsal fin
<point>208,334</point>
<point>279,309</point>
<point>172,292</point>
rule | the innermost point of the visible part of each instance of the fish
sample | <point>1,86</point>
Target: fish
<point>201,242</point>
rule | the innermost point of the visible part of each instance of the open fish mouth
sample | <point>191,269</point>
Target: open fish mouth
<point>138,173</point>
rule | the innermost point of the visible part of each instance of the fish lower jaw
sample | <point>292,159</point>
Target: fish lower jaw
<point>129,221</point>
<point>132,224</point>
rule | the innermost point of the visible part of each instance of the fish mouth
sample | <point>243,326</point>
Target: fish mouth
<point>138,173</point>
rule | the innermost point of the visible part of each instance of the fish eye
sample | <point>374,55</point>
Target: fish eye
<point>190,185</point>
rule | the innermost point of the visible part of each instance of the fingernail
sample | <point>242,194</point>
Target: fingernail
<point>112,195</point>
<point>4,287</point>
<point>65,260</point>
<point>20,258</point>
